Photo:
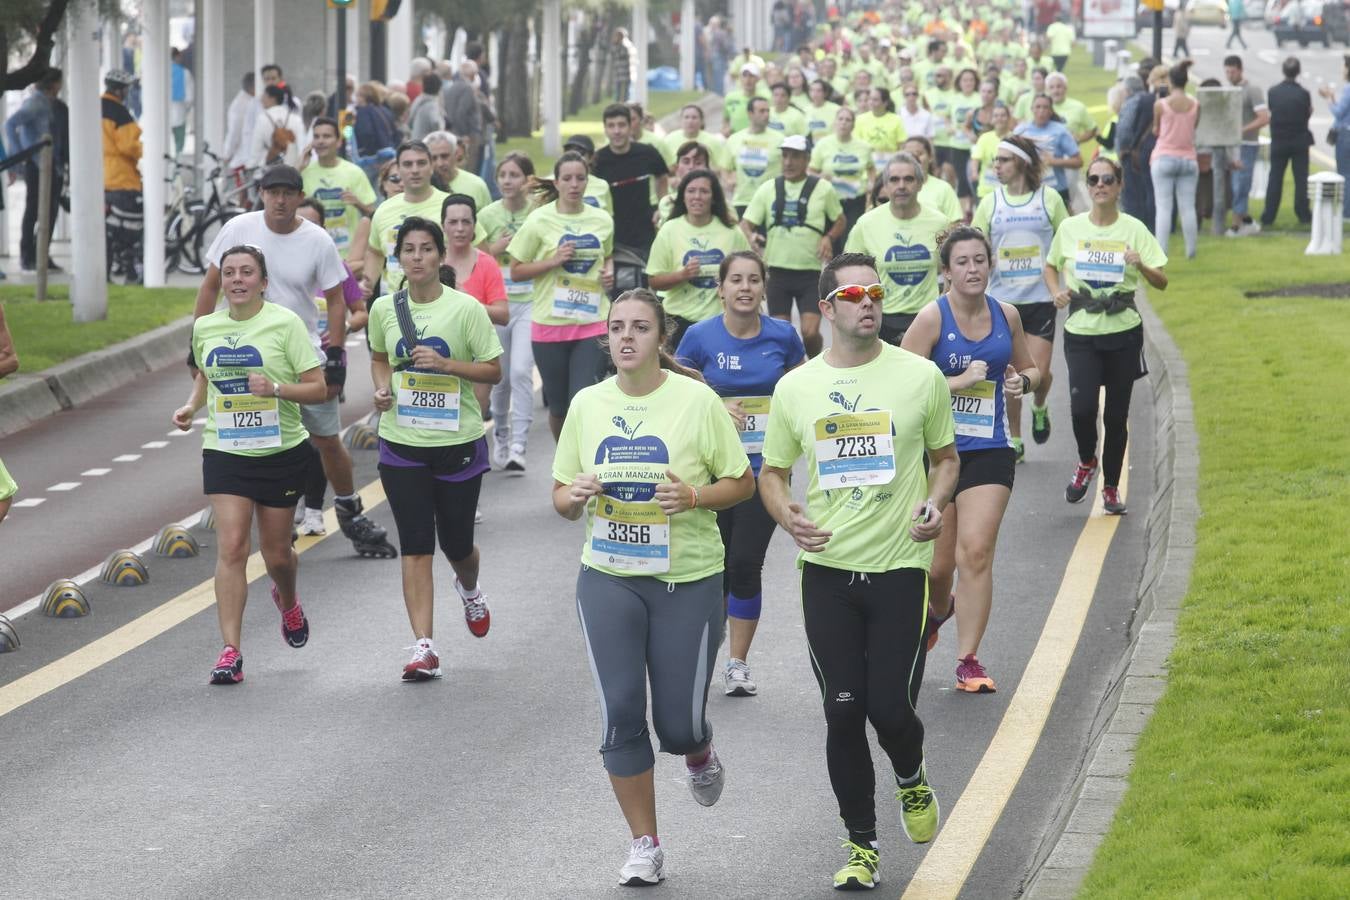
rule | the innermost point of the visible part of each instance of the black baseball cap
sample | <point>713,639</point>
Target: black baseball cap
<point>281,176</point>
<point>580,142</point>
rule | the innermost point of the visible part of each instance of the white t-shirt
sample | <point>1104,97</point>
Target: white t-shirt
<point>300,265</point>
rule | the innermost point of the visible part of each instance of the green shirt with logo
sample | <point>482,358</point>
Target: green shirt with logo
<point>273,342</point>
<point>630,443</point>
<point>839,417</point>
<point>680,242</point>
<point>327,184</point>
<point>793,243</point>
<point>906,251</point>
<point>456,326</point>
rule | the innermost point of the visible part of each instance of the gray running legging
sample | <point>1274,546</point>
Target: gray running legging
<point>513,396</point>
<point>638,628</point>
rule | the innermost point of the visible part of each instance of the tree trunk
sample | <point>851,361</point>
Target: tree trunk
<point>514,110</point>
<point>576,97</point>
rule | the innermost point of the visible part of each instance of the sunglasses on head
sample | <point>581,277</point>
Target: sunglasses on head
<point>393,179</point>
<point>1108,180</point>
<point>854,293</point>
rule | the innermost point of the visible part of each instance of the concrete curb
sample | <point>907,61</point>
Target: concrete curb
<point>1086,814</point>
<point>26,399</point>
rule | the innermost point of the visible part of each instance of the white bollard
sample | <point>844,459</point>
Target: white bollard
<point>1124,63</point>
<point>1109,56</point>
<point>1326,191</point>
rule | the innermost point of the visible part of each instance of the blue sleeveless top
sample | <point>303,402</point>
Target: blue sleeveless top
<point>979,411</point>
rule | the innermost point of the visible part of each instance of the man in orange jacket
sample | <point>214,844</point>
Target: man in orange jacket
<point>121,178</point>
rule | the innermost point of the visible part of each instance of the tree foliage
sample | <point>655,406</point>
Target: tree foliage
<point>29,27</point>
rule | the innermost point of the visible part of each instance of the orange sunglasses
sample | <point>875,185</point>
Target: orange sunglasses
<point>853,293</point>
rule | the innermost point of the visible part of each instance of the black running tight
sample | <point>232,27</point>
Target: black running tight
<point>1114,362</point>
<point>865,634</point>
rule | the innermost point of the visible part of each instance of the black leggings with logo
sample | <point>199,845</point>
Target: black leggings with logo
<point>865,633</point>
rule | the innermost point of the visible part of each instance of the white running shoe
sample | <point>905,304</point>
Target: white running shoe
<point>645,861</point>
<point>515,462</point>
<point>738,680</point>
<point>313,522</point>
<point>707,782</point>
<point>501,453</point>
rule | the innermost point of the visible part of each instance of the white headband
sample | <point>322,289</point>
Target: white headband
<point>1015,150</point>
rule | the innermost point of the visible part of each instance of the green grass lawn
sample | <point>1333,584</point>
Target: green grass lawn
<point>1240,782</point>
<point>587,121</point>
<point>44,333</point>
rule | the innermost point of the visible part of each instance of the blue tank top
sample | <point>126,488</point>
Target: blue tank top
<point>979,411</point>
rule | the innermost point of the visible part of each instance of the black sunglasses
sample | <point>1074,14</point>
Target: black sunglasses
<point>1108,180</point>
<point>393,179</point>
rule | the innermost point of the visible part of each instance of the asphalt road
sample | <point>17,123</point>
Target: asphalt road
<point>107,475</point>
<point>325,776</point>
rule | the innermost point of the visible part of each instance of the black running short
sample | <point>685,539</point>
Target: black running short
<point>994,465</point>
<point>276,480</point>
<point>894,326</point>
<point>793,286</point>
<point>1038,320</point>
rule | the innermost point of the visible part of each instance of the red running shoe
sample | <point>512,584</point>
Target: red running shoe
<point>1111,502</point>
<point>423,666</point>
<point>476,615</point>
<point>1082,477</point>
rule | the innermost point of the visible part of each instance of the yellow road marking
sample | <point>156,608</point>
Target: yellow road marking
<point>150,625</point>
<point>947,864</point>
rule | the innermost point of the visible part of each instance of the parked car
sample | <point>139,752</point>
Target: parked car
<point>1209,12</point>
<point>1311,22</point>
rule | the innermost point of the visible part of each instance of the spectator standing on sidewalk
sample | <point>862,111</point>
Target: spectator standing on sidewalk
<point>721,48</point>
<point>180,99</point>
<point>463,117</point>
<point>1175,168</point>
<point>37,117</point>
<point>239,121</point>
<point>624,59</point>
<point>1340,129</point>
<point>426,113</point>
<point>1134,145</point>
<point>1255,115</point>
<point>1290,109</point>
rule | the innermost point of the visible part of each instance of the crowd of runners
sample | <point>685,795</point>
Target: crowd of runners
<point>859,278</point>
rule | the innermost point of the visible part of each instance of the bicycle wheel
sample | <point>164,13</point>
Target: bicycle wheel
<point>205,235</point>
<point>176,232</point>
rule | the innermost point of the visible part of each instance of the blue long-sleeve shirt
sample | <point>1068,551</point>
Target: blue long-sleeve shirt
<point>27,126</point>
<point>1340,109</point>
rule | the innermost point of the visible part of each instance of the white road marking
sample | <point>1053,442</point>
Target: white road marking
<point>355,343</point>
<point>154,445</point>
<point>93,473</point>
<point>177,433</point>
<point>127,457</point>
<point>64,486</point>
<point>29,502</point>
<point>201,421</point>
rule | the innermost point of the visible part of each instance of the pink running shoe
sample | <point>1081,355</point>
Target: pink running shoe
<point>229,669</point>
<point>294,625</point>
<point>972,678</point>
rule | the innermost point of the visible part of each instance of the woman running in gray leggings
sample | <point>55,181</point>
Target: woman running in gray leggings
<point>649,456</point>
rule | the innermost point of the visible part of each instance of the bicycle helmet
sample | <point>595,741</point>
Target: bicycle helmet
<point>119,78</point>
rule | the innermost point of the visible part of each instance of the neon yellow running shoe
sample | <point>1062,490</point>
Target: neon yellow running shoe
<point>919,813</point>
<point>860,874</point>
